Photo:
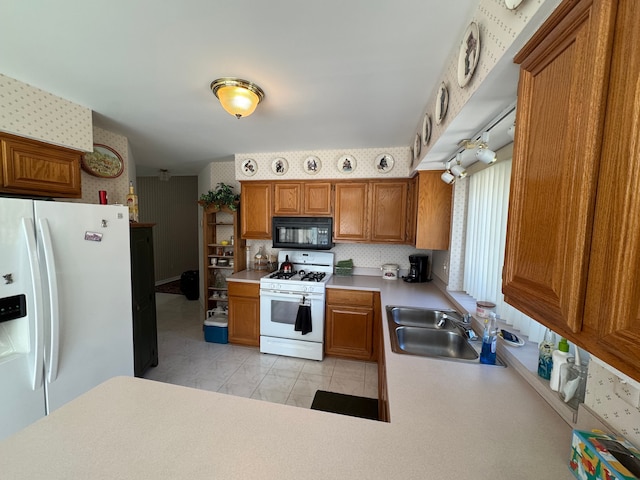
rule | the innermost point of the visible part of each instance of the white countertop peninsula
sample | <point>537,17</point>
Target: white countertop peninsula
<point>448,420</point>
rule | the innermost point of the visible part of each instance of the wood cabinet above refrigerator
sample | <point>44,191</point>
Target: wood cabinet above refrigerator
<point>30,167</point>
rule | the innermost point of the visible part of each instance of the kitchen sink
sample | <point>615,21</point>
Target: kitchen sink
<point>424,317</point>
<point>429,332</point>
<point>434,343</point>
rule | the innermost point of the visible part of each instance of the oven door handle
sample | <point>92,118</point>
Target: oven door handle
<point>290,296</point>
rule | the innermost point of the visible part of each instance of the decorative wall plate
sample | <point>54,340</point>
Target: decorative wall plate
<point>512,4</point>
<point>103,162</point>
<point>346,164</point>
<point>279,166</point>
<point>249,167</point>
<point>442,103</point>
<point>426,129</point>
<point>384,163</point>
<point>469,54</point>
<point>417,147</point>
<point>312,165</point>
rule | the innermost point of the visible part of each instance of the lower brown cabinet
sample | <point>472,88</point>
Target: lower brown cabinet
<point>244,313</point>
<point>350,324</point>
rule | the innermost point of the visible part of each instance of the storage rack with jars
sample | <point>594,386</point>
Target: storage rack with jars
<point>224,253</point>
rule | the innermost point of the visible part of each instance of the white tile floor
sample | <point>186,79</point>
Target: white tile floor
<point>186,359</point>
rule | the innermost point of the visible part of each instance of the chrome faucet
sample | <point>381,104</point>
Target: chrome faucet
<point>464,324</point>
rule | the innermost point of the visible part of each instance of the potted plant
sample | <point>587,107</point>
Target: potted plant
<point>222,196</point>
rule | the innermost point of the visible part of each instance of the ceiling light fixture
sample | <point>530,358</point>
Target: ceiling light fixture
<point>447,176</point>
<point>458,170</point>
<point>163,175</point>
<point>483,153</point>
<point>238,97</point>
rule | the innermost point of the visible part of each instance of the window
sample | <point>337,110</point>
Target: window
<point>488,202</point>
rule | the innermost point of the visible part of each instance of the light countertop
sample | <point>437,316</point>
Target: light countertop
<point>448,420</point>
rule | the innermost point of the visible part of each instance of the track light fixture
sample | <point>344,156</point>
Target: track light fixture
<point>453,172</point>
<point>458,170</point>
<point>483,153</point>
<point>447,177</point>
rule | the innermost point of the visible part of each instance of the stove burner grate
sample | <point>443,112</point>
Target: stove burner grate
<point>283,275</point>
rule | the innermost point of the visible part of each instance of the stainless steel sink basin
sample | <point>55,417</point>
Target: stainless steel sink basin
<point>423,317</point>
<point>433,343</point>
<point>431,332</point>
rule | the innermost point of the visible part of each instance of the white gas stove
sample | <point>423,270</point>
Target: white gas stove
<point>283,295</point>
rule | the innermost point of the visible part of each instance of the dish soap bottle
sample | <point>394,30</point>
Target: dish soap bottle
<point>132,203</point>
<point>489,340</point>
<point>545,359</point>
<point>559,357</point>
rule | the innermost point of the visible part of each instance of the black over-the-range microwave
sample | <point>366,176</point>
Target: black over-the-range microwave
<point>310,233</point>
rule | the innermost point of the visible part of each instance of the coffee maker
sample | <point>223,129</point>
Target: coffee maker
<point>419,269</point>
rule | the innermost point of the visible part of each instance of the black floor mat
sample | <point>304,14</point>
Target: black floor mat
<point>345,404</point>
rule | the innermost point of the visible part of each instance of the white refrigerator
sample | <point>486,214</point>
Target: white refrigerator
<point>65,304</point>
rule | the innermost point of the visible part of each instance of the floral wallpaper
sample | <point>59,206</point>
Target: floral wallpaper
<point>117,188</point>
<point>615,399</point>
<point>34,113</point>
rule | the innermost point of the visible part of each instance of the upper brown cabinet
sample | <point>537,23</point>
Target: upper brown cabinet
<point>30,167</point>
<point>352,205</point>
<point>375,211</point>
<point>389,207</point>
<point>256,207</point>
<point>316,198</point>
<point>573,238</point>
<point>368,211</point>
<point>310,198</point>
<point>433,212</point>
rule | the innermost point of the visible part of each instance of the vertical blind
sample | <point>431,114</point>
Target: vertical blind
<point>488,202</point>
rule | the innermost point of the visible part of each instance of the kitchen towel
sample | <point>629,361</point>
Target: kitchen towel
<point>303,319</point>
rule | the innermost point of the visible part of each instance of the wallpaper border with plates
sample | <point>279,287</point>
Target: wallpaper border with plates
<point>494,27</point>
<point>344,164</point>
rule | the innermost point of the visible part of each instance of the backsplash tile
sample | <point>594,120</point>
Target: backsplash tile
<point>367,259</point>
<point>614,401</point>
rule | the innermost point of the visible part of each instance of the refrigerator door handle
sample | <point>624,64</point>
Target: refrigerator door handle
<point>50,268</point>
<point>38,322</point>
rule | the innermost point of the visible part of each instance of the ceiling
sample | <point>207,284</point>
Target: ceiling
<point>336,74</point>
